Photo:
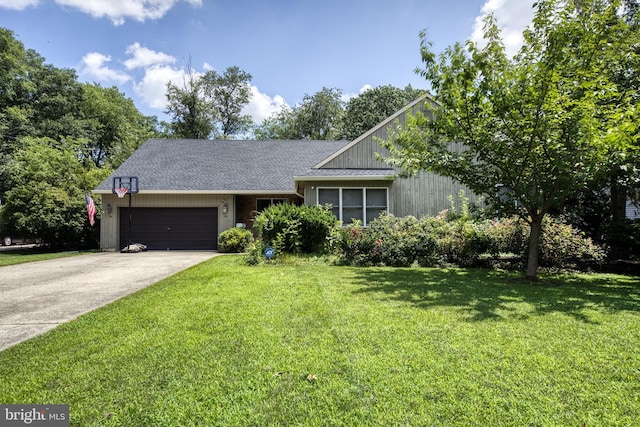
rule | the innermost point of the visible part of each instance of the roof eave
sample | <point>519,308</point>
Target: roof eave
<point>344,178</point>
<point>204,192</point>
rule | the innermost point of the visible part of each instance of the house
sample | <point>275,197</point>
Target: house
<point>191,190</point>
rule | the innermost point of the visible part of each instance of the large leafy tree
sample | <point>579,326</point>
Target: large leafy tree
<point>58,139</point>
<point>541,124</point>
<point>46,196</point>
<point>210,104</point>
<point>113,126</point>
<point>317,117</point>
<point>371,107</point>
<point>625,71</point>
<point>228,93</point>
<point>191,116</point>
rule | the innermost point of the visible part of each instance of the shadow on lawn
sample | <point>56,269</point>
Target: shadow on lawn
<point>486,294</point>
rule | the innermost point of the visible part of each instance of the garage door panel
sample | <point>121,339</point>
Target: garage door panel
<point>171,228</point>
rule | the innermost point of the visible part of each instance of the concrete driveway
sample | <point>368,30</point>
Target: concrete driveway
<point>38,296</point>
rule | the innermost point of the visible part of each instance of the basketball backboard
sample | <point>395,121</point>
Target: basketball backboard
<point>130,183</point>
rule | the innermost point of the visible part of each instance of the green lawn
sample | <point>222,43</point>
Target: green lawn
<point>20,256</point>
<point>227,344</point>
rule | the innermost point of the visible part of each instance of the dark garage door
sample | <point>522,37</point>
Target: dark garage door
<point>171,228</point>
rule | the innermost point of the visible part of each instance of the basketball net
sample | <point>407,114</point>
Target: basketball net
<point>121,191</point>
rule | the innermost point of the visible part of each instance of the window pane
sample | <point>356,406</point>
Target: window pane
<point>262,204</point>
<point>351,197</point>
<point>349,214</point>
<point>377,197</point>
<point>373,213</point>
<point>329,196</point>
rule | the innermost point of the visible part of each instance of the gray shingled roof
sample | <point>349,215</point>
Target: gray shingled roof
<point>225,166</point>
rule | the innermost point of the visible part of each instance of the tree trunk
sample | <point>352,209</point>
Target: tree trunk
<point>534,247</point>
<point>618,202</point>
<point>618,217</point>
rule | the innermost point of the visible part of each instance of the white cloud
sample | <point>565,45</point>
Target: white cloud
<point>18,4</point>
<point>142,57</point>
<point>120,10</point>
<point>152,89</point>
<point>346,97</point>
<point>365,88</point>
<point>94,65</point>
<point>262,105</point>
<point>512,16</point>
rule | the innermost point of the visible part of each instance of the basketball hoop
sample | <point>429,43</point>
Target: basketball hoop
<point>121,191</point>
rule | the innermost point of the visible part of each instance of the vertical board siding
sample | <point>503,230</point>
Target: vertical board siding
<point>423,194</point>
<point>110,223</point>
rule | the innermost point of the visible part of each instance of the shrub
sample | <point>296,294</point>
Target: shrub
<point>507,236</point>
<point>460,240</point>
<point>234,240</point>
<point>389,240</point>
<point>296,229</point>
<point>562,245</point>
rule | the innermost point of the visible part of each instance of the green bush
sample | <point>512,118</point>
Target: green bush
<point>460,240</point>
<point>389,240</point>
<point>234,240</point>
<point>401,241</point>
<point>296,229</point>
<point>562,245</point>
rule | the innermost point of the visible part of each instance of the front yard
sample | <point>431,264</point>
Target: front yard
<point>310,344</point>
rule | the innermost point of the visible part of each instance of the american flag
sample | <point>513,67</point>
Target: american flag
<point>91,209</point>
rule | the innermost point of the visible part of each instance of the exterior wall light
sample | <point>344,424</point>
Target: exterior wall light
<point>225,207</point>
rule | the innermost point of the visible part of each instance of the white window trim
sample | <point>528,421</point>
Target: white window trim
<point>364,200</point>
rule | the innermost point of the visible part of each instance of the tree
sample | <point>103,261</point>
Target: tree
<point>368,109</point>
<point>317,117</point>
<point>541,124</point>
<point>113,126</point>
<point>46,197</point>
<point>624,179</point>
<point>228,94</point>
<point>210,104</point>
<point>191,117</point>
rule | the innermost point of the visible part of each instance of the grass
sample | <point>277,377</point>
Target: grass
<point>20,256</point>
<point>316,345</point>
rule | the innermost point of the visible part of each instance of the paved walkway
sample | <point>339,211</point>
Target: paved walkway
<point>38,296</point>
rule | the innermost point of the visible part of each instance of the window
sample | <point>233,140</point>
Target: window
<point>262,204</point>
<point>349,204</point>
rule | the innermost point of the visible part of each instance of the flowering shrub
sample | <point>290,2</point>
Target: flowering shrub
<point>459,240</point>
<point>562,245</point>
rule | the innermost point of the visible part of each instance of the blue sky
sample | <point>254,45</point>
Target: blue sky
<point>291,48</point>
